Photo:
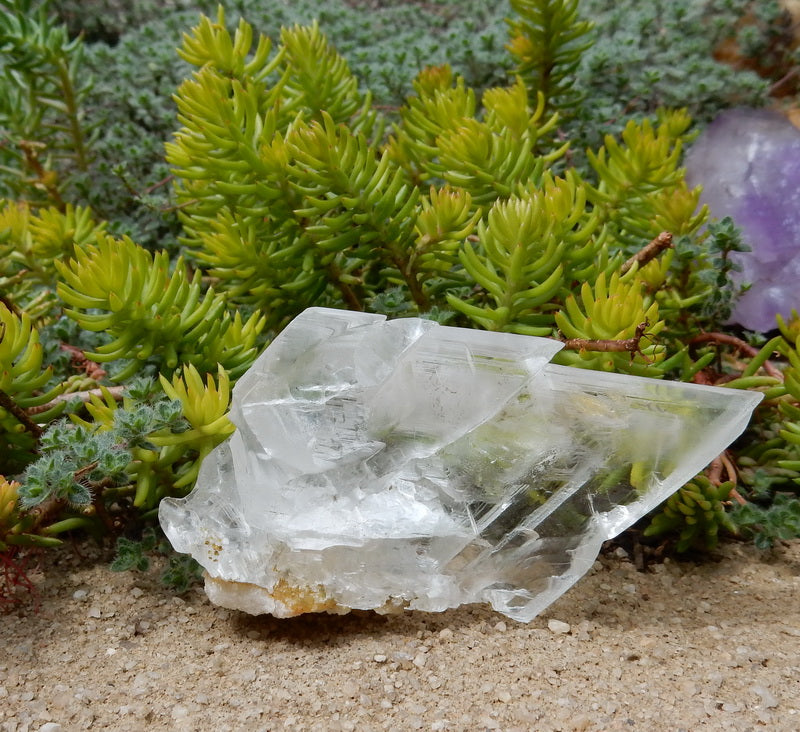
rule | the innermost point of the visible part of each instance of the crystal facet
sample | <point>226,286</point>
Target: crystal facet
<point>403,464</point>
<point>748,163</point>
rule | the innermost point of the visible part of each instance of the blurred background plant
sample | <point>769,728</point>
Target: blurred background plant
<point>643,56</point>
<point>407,158</point>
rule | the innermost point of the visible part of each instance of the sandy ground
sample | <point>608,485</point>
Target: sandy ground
<point>681,646</point>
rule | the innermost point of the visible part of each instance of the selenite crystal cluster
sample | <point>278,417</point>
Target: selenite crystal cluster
<point>748,163</point>
<point>403,464</point>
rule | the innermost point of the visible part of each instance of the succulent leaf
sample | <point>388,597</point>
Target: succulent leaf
<point>150,311</point>
<point>697,513</point>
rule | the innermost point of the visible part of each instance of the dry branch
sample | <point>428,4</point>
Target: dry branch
<point>649,252</point>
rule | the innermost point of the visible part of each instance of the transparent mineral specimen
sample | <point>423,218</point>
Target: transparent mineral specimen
<point>748,162</point>
<point>402,464</point>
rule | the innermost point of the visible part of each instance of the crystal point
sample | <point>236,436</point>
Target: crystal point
<point>401,464</point>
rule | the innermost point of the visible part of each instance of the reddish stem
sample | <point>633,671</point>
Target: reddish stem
<point>739,345</point>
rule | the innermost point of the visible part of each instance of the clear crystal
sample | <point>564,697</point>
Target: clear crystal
<point>402,464</point>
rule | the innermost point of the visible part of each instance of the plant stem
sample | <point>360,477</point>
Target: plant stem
<point>627,344</point>
<point>348,294</point>
<point>10,405</point>
<point>649,252</point>
<point>738,344</point>
<point>73,113</point>
<point>84,396</point>
<point>414,287</point>
<point>45,178</point>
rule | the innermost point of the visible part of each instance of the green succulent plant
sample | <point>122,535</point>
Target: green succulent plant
<point>696,513</point>
<point>45,138</point>
<point>511,196</point>
<point>119,288</point>
<point>23,385</point>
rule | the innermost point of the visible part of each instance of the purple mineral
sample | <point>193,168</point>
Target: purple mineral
<point>748,163</point>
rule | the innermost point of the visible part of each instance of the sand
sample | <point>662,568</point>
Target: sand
<point>680,646</point>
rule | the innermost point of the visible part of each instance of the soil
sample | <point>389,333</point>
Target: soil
<point>681,646</point>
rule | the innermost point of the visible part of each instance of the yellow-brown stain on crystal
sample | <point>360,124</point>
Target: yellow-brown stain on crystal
<point>214,549</point>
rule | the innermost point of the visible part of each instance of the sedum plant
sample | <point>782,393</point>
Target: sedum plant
<point>45,138</point>
<point>23,386</point>
<point>547,42</point>
<point>293,189</point>
<point>696,512</point>
<point>152,314</point>
<point>32,240</point>
<point>642,56</point>
<point>291,204</point>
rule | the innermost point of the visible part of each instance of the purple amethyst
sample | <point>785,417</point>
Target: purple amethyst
<point>748,162</point>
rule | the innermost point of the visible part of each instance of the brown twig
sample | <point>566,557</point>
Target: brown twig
<point>630,345</point>
<point>703,377</point>
<point>736,496</point>
<point>739,345</point>
<point>414,287</point>
<point>10,405</point>
<point>84,396</point>
<point>99,507</point>
<point>147,191</point>
<point>80,472</point>
<point>43,512</point>
<point>730,468</point>
<point>788,76</point>
<point>714,471</point>
<point>348,294</point>
<point>649,252</point>
<point>79,361</point>
<point>46,179</point>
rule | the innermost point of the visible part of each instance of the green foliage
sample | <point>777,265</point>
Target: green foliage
<point>548,42</point>
<point>21,373</point>
<point>133,554</point>
<point>23,386</point>
<point>530,248</point>
<point>151,313</point>
<point>713,278</point>
<point>180,573</point>
<point>167,439</point>
<point>645,55</point>
<point>282,198</point>
<point>31,240</point>
<point>75,459</point>
<point>697,513</point>
<point>104,21</point>
<point>462,195</point>
<point>763,39</point>
<point>291,206</point>
<point>612,311</point>
<point>135,70</point>
<point>17,529</point>
<point>96,474</point>
<point>641,186</point>
<point>660,54</point>
<point>779,521</point>
<point>78,460</point>
<point>44,136</point>
<point>441,138</point>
